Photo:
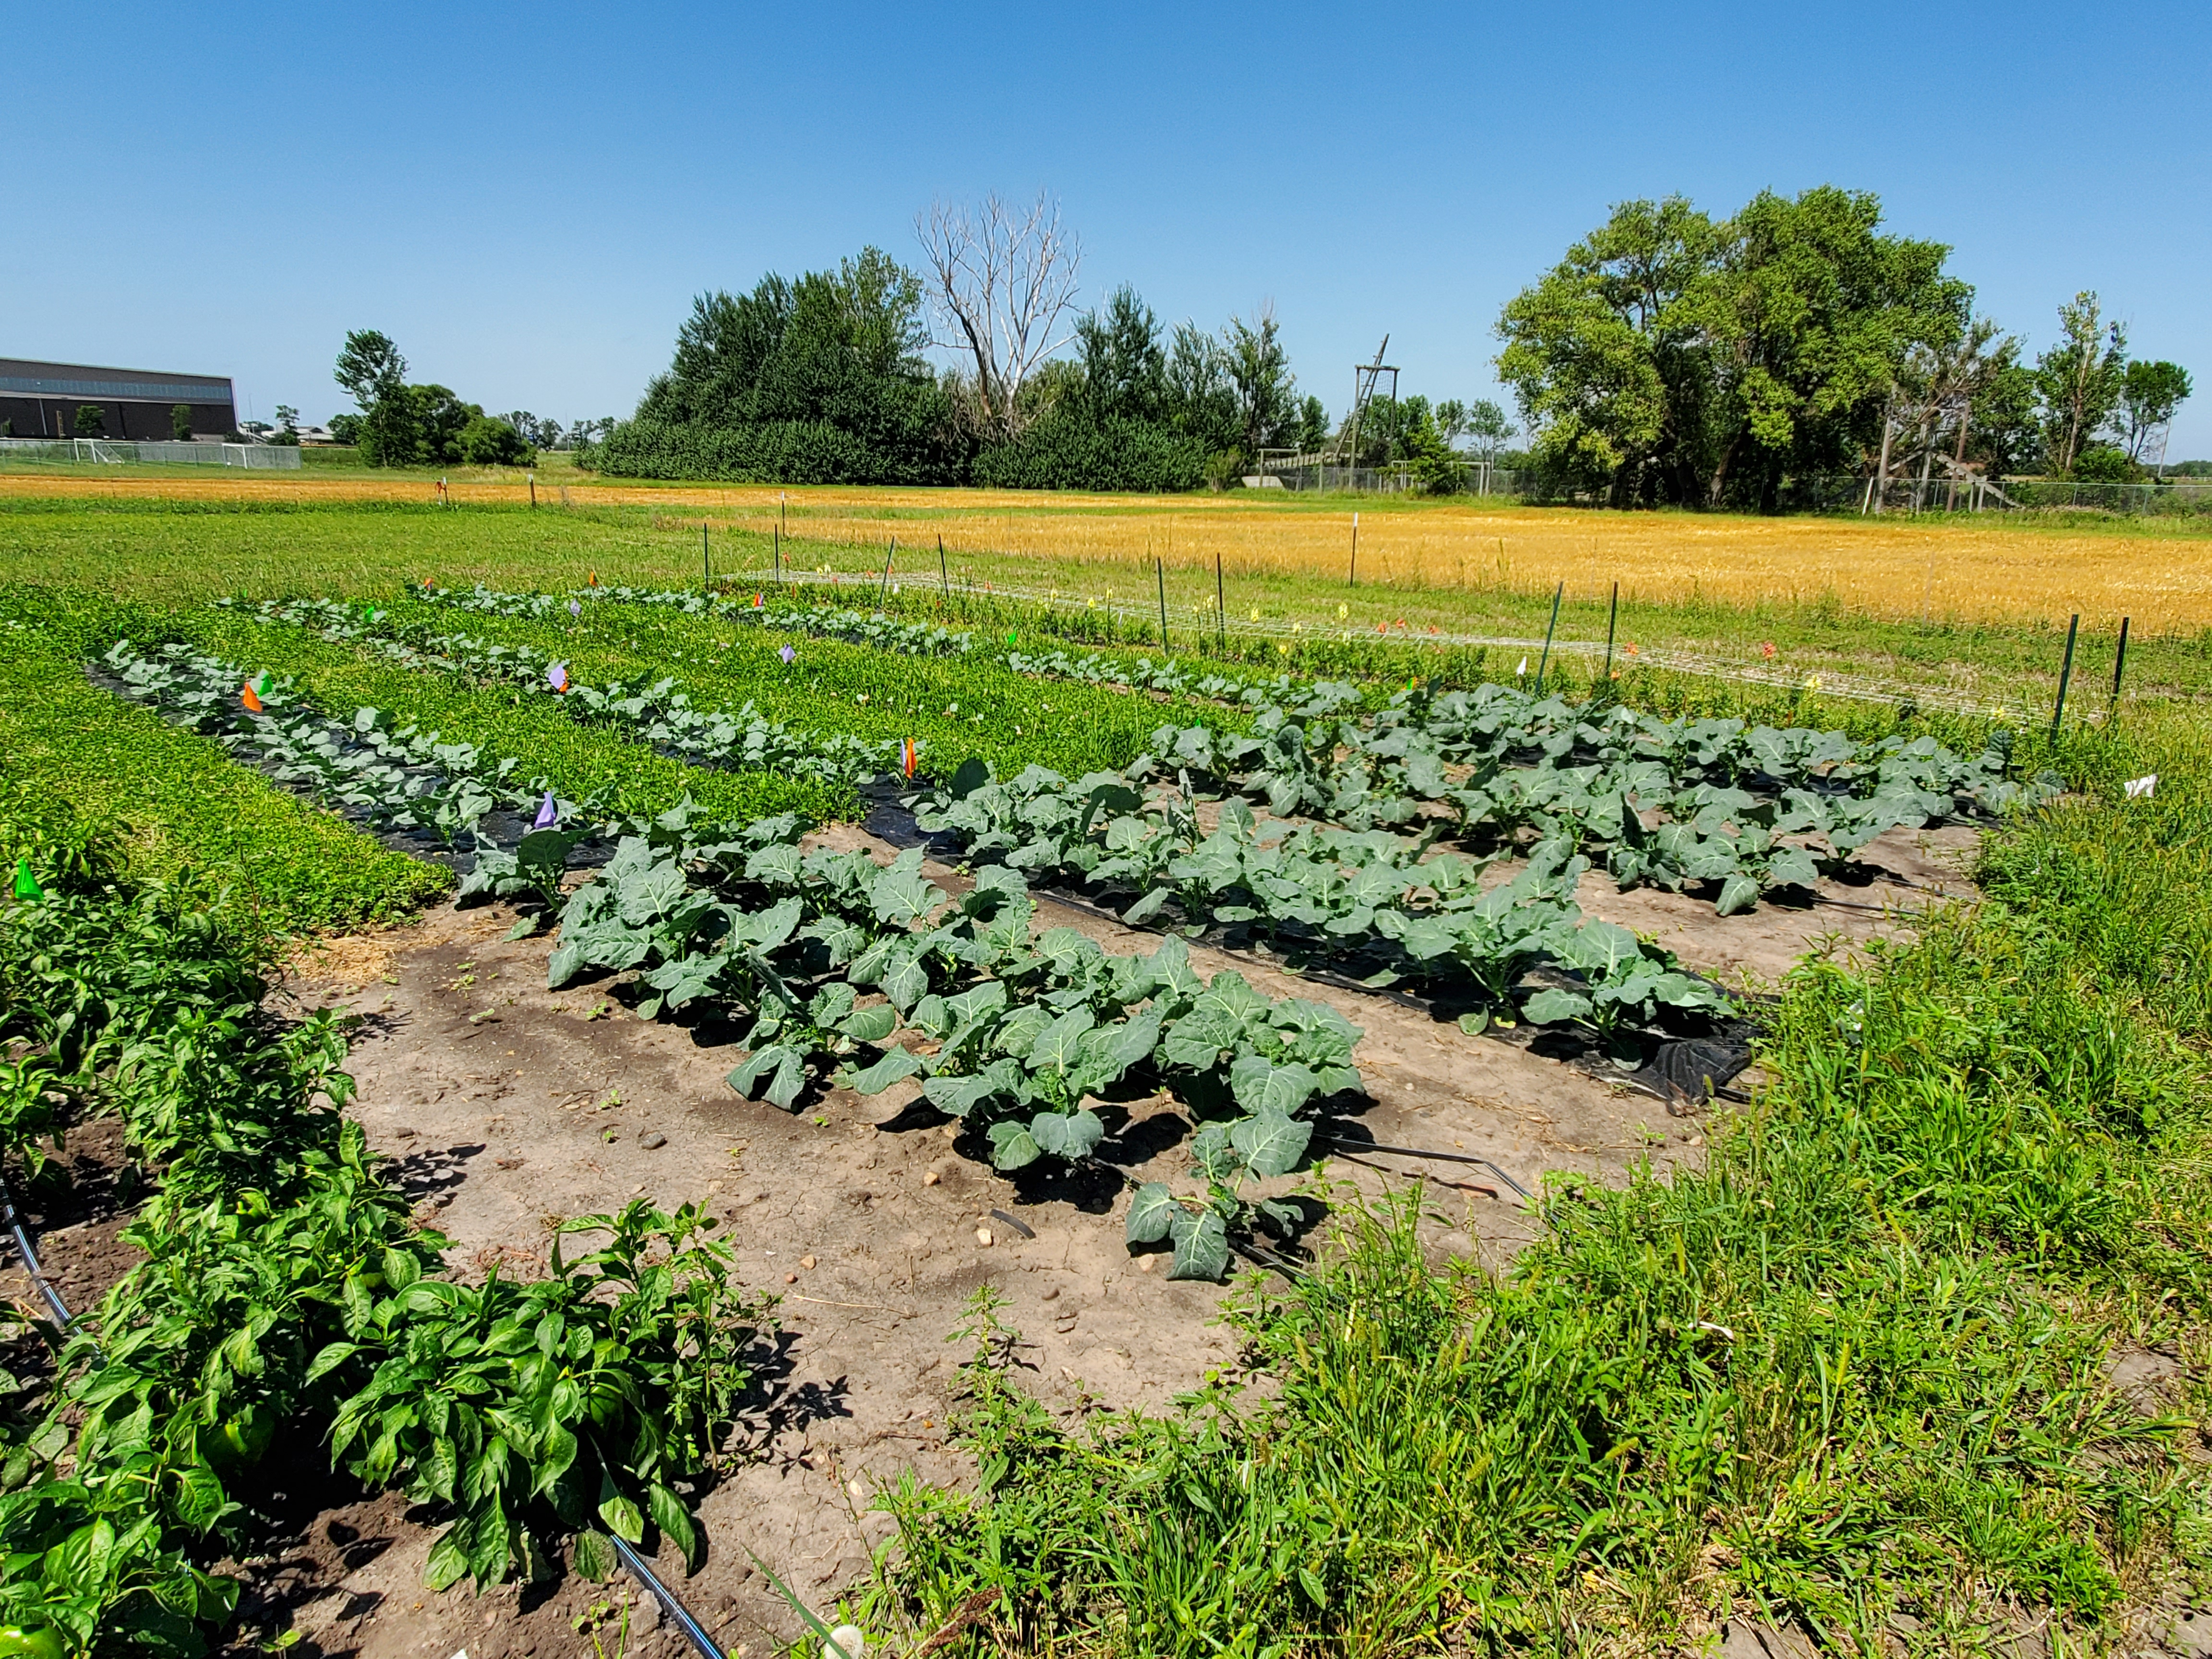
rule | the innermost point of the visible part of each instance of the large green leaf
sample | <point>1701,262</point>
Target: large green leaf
<point>905,979</point>
<point>869,1024</point>
<point>1201,1245</point>
<point>1067,1134</point>
<point>1260,1086</point>
<point>1059,1045</point>
<point>903,894</point>
<point>897,1065</point>
<point>1550,1005</point>
<point>449,1558</point>
<point>1013,1146</point>
<point>1738,893</point>
<point>1270,1142</point>
<point>1151,1210</point>
<point>621,1518</point>
<point>670,1517</point>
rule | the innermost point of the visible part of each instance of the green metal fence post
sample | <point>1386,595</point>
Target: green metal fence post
<point>1220,614</point>
<point>1545,661</point>
<point>2065,673</point>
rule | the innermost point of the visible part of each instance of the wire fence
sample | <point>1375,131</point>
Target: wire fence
<point>1911,495</point>
<point>116,451</point>
<point>1188,629</point>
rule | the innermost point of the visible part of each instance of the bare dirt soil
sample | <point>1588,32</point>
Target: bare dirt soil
<point>507,1108</point>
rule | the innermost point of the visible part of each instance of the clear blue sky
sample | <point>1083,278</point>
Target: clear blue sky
<point>526,199</point>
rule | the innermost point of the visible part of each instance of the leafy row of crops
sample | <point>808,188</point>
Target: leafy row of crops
<point>287,1293</point>
<point>1010,1035</point>
<point>1746,809</point>
<point>1013,1032</point>
<point>656,714</point>
<point>881,632</point>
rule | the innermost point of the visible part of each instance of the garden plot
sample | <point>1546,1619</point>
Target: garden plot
<point>507,1105</point>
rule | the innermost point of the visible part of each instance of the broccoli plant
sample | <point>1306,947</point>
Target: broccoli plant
<point>1267,1144</point>
<point>1623,983</point>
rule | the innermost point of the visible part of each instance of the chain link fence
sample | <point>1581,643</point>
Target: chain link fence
<point>112,451</point>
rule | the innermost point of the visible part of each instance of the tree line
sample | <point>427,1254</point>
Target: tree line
<point>824,378</point>
<point>402,424</point>
<point>1672,358</point>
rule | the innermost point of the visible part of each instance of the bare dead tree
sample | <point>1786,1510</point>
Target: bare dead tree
<point>1001,279</point>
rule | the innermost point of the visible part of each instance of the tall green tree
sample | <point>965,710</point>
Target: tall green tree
<point>2079,379</point>
<point>816,379</point>
<point>374,375</point>
<point>1670,357</point>
<point>2150,392</point>
<point>1125,368</point>
<point>1268,414</point>
<point>1202,402</point>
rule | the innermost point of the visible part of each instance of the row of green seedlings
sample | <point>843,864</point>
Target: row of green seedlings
<point>286,1294</point>
<point>827,956</point>
<point>1316,890</point>
<point>744,741</point>
<point>880,632</point>
<point>701,926</point>
<point>1741,809</point>
<point>1737,809</point>
<point>1376,904</point>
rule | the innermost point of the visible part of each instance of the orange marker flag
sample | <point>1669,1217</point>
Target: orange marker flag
<point>593,577</point>
<point>245,695</point>
<point>907,755</point>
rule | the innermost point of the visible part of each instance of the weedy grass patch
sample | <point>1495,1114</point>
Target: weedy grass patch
<point>184,800</point>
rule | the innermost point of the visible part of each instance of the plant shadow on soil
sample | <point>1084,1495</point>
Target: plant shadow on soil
<point>869,1219</point>
<point>509,1108</point>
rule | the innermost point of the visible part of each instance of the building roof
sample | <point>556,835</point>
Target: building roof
<point>25,378</point>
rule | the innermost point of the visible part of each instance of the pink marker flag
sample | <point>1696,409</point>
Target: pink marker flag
<point>548,813</point>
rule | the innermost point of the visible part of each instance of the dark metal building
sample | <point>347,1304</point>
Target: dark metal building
<point>40,400</point>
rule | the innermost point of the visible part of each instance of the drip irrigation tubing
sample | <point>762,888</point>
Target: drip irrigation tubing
<point>694,1632</point>
<point>1442,1157</point>
<point>22,1233</point>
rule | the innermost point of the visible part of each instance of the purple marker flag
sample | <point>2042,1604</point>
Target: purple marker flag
<point>557,676</point>
<point>786,654</point>
<point>548,813</point>
<point>575,609</point>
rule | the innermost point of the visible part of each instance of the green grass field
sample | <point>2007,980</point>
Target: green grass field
<point>173,551</point>
<point>1850,1375</point>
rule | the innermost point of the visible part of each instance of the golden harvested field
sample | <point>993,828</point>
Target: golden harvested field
<point>1991,571</point>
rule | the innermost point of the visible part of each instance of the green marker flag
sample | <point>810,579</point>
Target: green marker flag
<point>261,682</point>
<point>27,885</point>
